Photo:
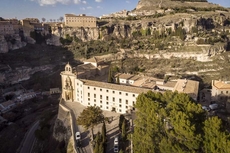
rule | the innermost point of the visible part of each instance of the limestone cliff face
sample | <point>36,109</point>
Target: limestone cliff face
<point>12,42</point>
<point>3,45</point>
<point>149,5</point>
<point>15,42</point>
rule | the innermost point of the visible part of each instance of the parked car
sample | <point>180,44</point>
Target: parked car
<point>213,106</point>
<point>78,135</point>
<point>78,143</point>
<point>116,148</point>
<point>116,140</point>
<point>206,108</point>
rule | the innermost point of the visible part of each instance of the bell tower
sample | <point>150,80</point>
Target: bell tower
<point>68,83</point>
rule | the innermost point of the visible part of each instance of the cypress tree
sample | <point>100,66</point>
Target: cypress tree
<point>103,133</point>
<point>123,132</point>
<point>121,119</point>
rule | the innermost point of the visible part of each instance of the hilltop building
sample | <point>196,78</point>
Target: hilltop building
<point>78,86</point>
<point>220,90</point>
<point>81,20</point>
<point>6,28</point>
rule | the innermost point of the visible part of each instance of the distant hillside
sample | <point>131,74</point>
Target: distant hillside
<point>156,4</point>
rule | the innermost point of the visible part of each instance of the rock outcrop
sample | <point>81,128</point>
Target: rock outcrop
<point>12,42</point>
<point>3,45</point>
<point>150,5</point>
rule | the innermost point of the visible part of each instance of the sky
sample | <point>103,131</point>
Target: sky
<point>54,9</point>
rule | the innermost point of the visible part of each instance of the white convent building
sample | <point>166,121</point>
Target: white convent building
<point>78,86</point>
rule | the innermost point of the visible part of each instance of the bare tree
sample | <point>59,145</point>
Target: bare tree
<point>61,18</point>
<point>51,20</point>
<point>43,19</point>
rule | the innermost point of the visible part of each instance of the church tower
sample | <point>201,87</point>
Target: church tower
<point>68,83</point>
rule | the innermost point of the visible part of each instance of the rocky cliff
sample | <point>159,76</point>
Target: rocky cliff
<point>149,5</point>
<point>12,42</point>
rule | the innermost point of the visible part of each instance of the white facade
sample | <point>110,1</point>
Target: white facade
<point>220,90</point>
<point>115,97</point>
<point>111,97</point>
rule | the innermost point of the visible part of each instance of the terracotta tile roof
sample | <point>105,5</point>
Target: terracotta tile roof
<point>85,67</point>
<point>187,86</point>
<point>221,85</point>
<point>169,84</point>
<point>94,60</point>
<point>125,76</point>
<point>115,86</point>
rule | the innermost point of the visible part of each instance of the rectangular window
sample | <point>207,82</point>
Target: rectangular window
<point>113,91</point>
<point>226,92</point>
<point>107,103</point>
<point>133,95</point>
<point>107,98</point>
<point>101,106</point>
<point>113,99</point>
<point>107,107</point>
<point>88,103</point>
<point>126,106</point>
<point>221,92</point>
<point>94,88</point>
<point>119,93</point>
<point>120,100</point>
<point>126,94</point>
<point>94,95</point>
<point>100,89</point>
<point>95,100</point>
<point>101,102</point>
<point>120,105</point>
<point>100,96</point>
<point>88,94</point>
<point>119,110</point>
<point>126,102</point>
<point>95,105</point>
<point>88,99</point>
<point>107,90</point>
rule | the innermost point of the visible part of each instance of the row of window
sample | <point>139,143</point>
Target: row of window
<point>79,21</point>
<point>222,92</point>
<point>107,98</point>
<point>80,18</point>
<point>120,93</point>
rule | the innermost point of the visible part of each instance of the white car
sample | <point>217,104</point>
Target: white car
<point>78,135</point>
<point>116,141</point>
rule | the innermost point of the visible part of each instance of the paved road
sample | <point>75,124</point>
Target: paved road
<point>85,140</point>
<point>112,128</point>
<point>29,140</point>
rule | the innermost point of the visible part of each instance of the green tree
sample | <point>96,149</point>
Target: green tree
<point>123,131</point>
<point>103,131</point>
<point>90,117</point>
<point>215,139</point>
<point>118,80</point>
<point>121,151</point>
<point>121,119</point>
<point>168,122</point>
<point>110,77</point>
